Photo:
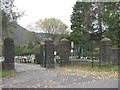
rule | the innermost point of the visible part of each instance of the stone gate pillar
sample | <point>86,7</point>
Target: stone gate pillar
<point>8,54</point>
<point>106,51</point>
<point>64,51</point>
<point>49,53</point>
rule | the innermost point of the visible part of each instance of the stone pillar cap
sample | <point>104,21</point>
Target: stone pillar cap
<point>8,39</point>
<point>105,40</point>
<point>49,39</point>
<point>64,39</point>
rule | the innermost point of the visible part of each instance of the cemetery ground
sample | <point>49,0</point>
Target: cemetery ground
<point>71,76</point>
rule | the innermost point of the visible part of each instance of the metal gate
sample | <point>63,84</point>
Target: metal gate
<point>89,51</point>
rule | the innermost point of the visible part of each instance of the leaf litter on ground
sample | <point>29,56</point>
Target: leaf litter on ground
<point>96,73</point>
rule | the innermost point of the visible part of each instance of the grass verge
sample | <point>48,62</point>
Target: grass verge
<point>5,73</point>
<point>85,69</point>
<point>96,67</point>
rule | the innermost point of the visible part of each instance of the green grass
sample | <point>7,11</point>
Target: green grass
<point>85,68</point>
<point>107,68</point>
<point>5,73</point>
<point>88,66</point>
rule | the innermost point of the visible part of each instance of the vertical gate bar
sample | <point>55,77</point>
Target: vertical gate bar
<point>92,53</point>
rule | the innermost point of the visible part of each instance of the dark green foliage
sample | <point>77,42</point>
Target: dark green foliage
<point>42,55</point>
<point>78,37</point>
<point>108,18</point>
<point>19,50</point>
<point>29,49</point>
<point>30,45</point>
<point>77,19</point>
<point>36,48</point>
<point>78,15</point>
<point>22,50</point>
<point>112,20</point>
<point>37,58</point>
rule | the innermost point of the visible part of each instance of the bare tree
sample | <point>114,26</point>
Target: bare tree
<point>54,28</point>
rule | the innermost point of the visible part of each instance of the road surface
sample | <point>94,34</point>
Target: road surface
<point>34,76</point>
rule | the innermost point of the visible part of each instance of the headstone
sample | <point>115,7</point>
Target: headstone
<point>49,53</point>
<point>106,51</point>
<point>64,52</point>
<point>8,54</point>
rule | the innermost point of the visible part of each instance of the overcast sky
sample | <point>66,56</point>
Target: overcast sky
<point>40,9</point>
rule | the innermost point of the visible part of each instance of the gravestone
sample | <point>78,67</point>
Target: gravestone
<point>106,51</point>
<point>64,50</point>
<point>49,53</point>
<point>8,54</point>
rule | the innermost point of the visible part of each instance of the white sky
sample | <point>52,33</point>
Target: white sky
<point>40,9</point>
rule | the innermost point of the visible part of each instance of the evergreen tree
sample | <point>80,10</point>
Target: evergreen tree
<point>104,17</point>
<point>112,21</point>
<point>77,20</point>
<point>30,45</point>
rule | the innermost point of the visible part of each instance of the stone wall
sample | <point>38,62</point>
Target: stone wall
<point>109,55</point>
<point>49,53</point>
<point>64,52</point>
<point>9,53</point>
<point>115,56</point>
<point>106,50</point>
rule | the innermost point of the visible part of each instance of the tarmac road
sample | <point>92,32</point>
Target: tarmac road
<point>34,76</point>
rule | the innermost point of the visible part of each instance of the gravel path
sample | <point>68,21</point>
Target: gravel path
<point>34,76</point>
